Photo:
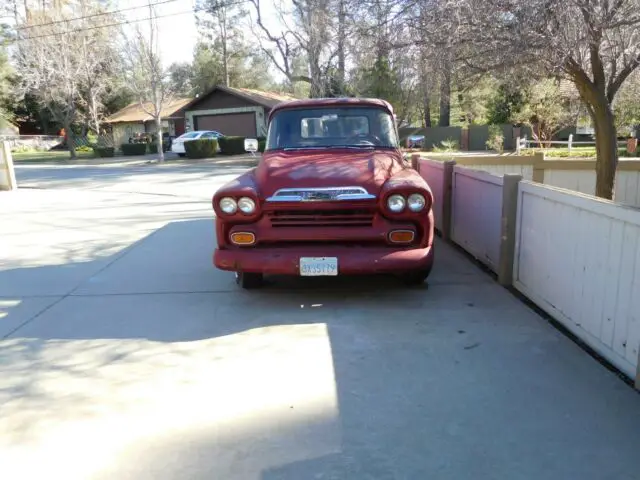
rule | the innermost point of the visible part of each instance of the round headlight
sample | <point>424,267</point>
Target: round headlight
<point>396,203</point>
<point>228,205</point>
<point>416,202</point>
<point>246,205</point>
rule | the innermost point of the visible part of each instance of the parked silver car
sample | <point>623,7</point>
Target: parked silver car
<point>177,145</point>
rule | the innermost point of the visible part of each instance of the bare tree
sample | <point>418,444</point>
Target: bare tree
<point>65,60</point>
<point>549,109</point>
<point>50,62</point>
<point>593,43</point>
<point>145,75</point>
<point>308,30</point>
<point>99,64</point>
<point>435,28</point>
<point>219,19</point>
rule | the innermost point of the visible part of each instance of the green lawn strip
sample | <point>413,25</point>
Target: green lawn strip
<point>53,156</point>
<point>577,152</point>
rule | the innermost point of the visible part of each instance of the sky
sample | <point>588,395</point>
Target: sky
<point>177,30</point>
<point>178,34</point>
<point>177,27</point>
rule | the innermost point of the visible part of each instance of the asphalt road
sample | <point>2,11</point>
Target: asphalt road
<point>125,355</point>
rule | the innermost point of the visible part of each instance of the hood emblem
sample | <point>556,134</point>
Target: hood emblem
<point>318,196</point>
<point>328,194</point>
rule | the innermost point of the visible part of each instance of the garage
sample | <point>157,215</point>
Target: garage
<point>233,124</point>
<point>232,111</point>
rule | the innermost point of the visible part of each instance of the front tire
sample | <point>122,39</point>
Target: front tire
<point>249,280</point>
<point>181,155</point>
<point>415,278</point>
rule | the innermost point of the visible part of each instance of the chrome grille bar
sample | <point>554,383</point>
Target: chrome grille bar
<point>324,194</point>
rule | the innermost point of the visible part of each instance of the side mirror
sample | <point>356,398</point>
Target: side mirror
<point>250,145</point>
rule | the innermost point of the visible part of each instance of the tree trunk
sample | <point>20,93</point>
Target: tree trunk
<point>220,10</point>
<point>445,97</point>
<point>71,144</point>
<point>94,115</point>
<point>341,44</point>
<point>426,100</point>
<point>317,89</point>
<point>225,61</point>
<point>159,138</point>
<point>606,149</point>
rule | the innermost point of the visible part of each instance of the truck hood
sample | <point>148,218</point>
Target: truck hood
<point>326,168</point>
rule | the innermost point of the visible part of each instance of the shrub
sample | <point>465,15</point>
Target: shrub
<point>496,138</point>
<point>448,145</point>
<point>23,149</point>
<point>576,152</point>
<point>104,152</point>
<point>261,145</point>
<point>153,148</point>
<point>133,148</point>
<point>201,148</point>
<point>231,145</point>
<point>84,149</point>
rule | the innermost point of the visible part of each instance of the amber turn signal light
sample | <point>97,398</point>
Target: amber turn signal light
<point>401,236</point>
<point>243,238</point>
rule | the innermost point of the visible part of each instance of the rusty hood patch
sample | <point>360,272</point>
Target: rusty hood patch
<point>298,169</point>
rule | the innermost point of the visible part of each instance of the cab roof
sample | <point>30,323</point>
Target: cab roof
<point>332,102</point>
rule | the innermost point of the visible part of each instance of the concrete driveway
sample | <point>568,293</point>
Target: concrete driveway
<point>126,355</point>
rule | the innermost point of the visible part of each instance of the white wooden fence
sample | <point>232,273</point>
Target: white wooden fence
<point>627,184</point>
<point>524,142</point>
<point>476,207</point>
<point>578,258</point>
<point>574,255</point>
<point>574,174</point>
<point>7,173</point>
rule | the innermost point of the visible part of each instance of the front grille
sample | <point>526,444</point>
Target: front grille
<point>321,218</point>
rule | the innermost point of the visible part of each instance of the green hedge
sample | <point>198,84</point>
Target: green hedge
<point>235,145</point>
<point>201,148</point>
<point>104,152</point>
<point>133,148</point>
<point>153,148</point>
<point>231,145</point>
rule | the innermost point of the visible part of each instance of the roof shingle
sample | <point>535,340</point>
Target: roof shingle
<point>135,113</point>
<point>259,97</point>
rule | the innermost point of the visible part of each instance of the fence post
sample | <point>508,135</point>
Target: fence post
<point>538,167</point>
<point>7,173</point>
<point>637,383</point>
<point>518,147</point>
<point>570,142</point>
<point>464,139</point>
<point>508,228</point>
<point>447,190</point>
<point>414,161</point>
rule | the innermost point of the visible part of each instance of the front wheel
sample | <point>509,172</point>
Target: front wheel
<point>182,155</point>
<point>249,281</point>
<point>416,277</point>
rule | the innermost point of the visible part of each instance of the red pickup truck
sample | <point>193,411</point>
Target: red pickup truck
<point>331,195</point>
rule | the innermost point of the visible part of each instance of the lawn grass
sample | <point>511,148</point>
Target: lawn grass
<point>578,152</point>
<point>50,156</point>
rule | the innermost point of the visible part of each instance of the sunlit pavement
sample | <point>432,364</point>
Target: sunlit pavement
<point>126,355</point>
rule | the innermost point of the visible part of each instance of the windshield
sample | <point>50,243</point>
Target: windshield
<point>354,127</point>
<point>190,135</point>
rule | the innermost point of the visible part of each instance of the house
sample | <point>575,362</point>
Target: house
<point>232,111</point>
<point>134,119</point>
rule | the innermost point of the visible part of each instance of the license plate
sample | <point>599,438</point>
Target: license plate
<point>318,266</point>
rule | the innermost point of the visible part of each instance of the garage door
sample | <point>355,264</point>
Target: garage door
<point>241,124</point>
